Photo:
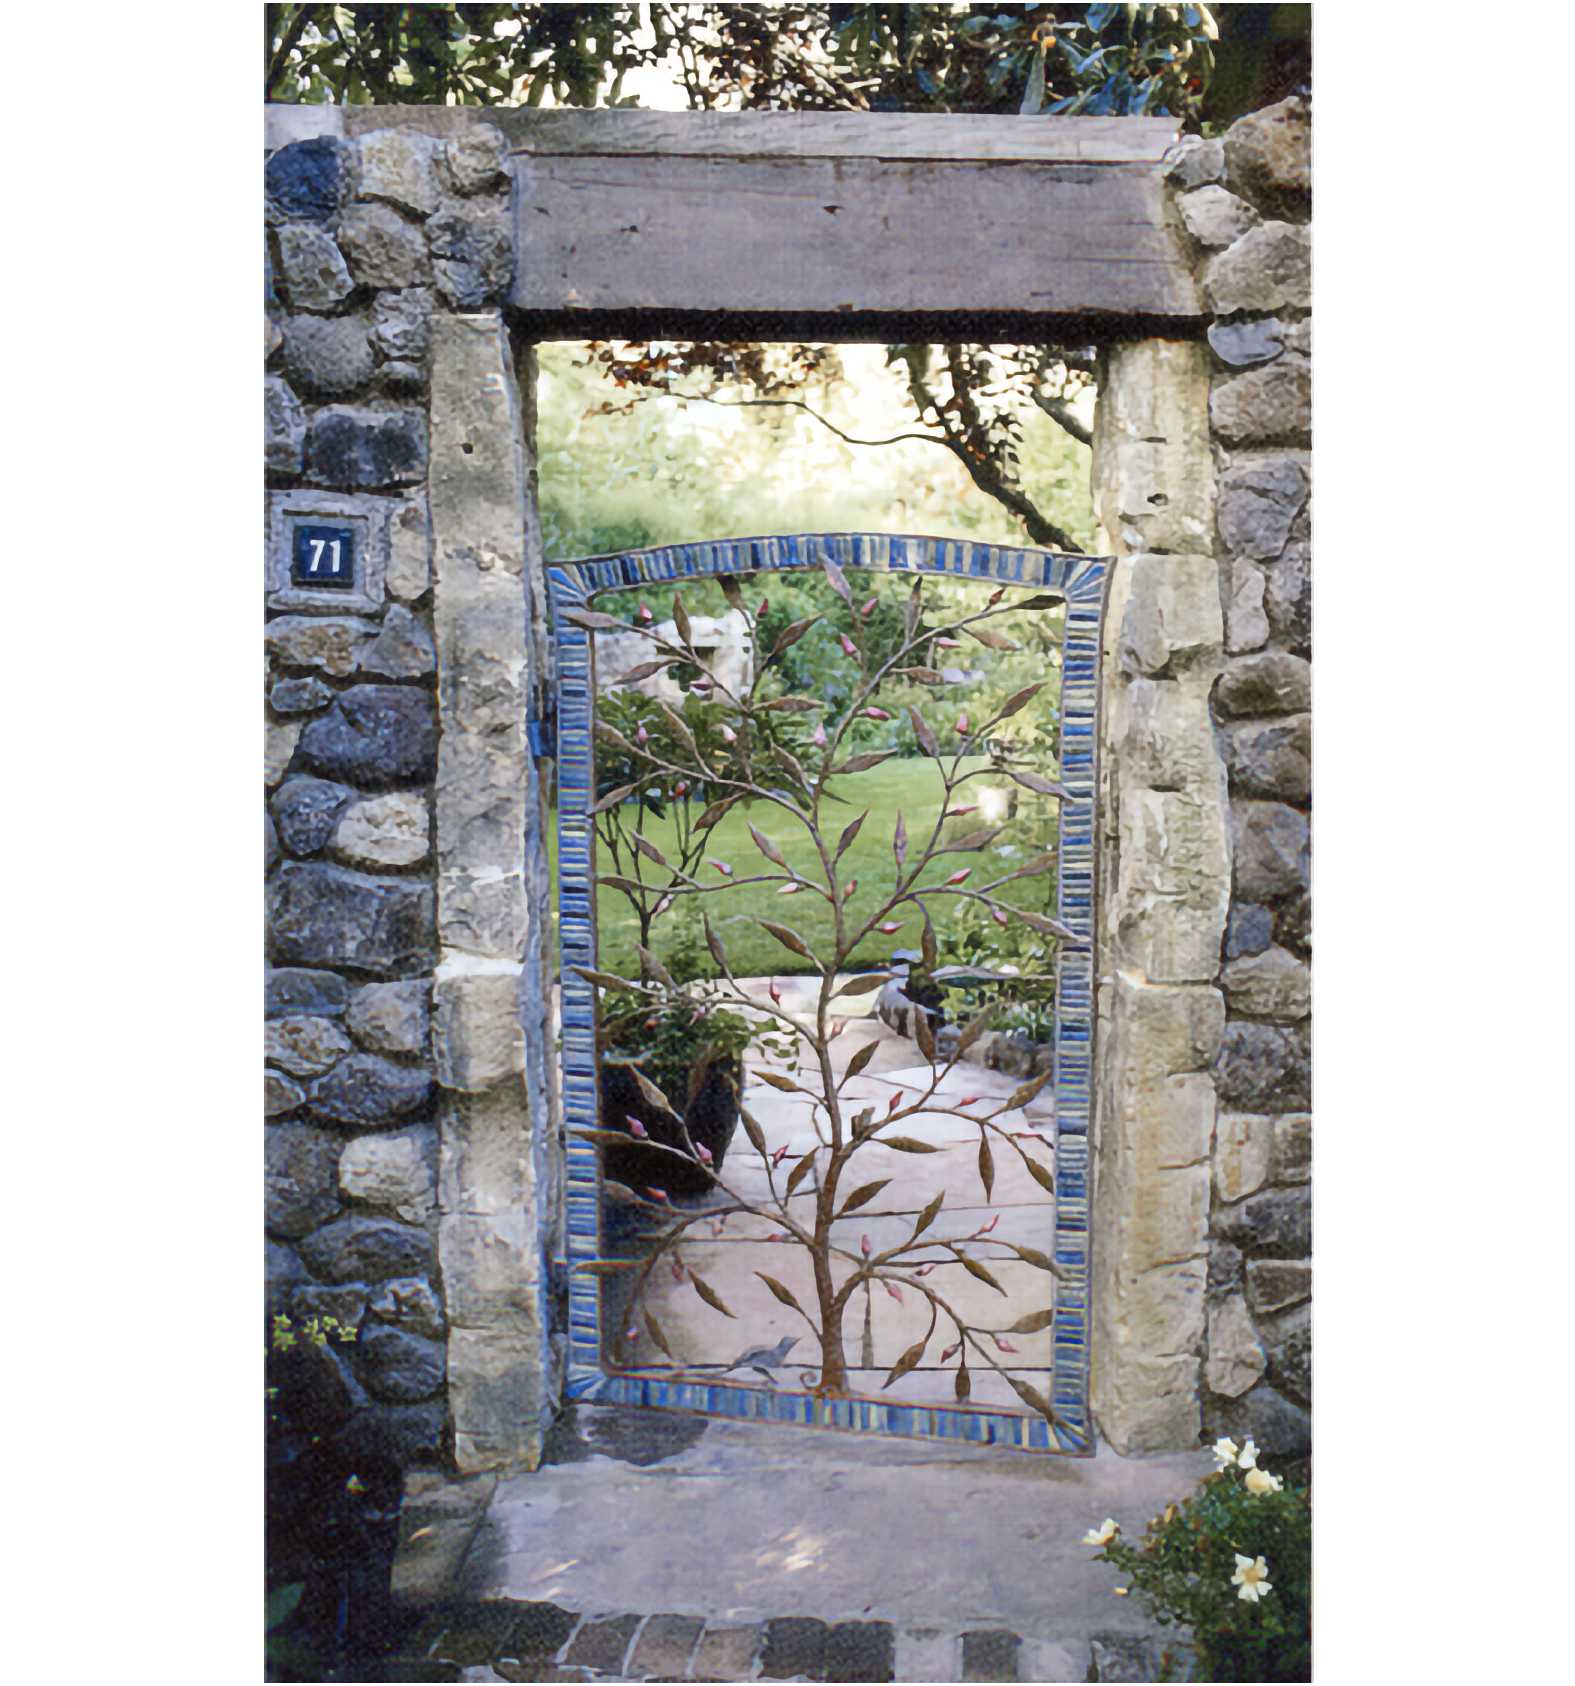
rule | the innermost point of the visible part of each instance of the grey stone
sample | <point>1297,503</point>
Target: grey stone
<point>1243,1145</point>
<point>600,1645</point>
<point>282,1270</point>
<point>272,338</point>
<point>291,989</point>
<point>374,735</point>
<point>1292,1158</point>
<point>303,1045</point>
<point>279,741</point>
<point>382,249</point>
<point>1287,1340</point>
<point>401,324</point>
<point>795,1645</point>
<point>1235,1360</point>
<point>364,1090</point>
<point>1270,985</point>
<point>392,1018</point>
<point>299,696</point>
<point>1276,1223</point>
<point>363,448</point>
<point>1250,931</point>
<point>409,546</point>
<point>312,268</point>
<point>727,1653</point>
<point>271,852</point>
<point>310,179</point>
<point>402,650</point>
<point>327,356</point>
<point>990,1654</point>
<point>345,1305</point>
<point>1258,499</point>
<point>368,1250</point>
<point>1268,156</point>
<point>1268,269</point>
<point>401,380</point>
<point>1277,1284</point>
<point>319,914</point>
<point>1197,161</point>
<point>1298,337</point>
<point>1215,217</point>
<point>307,810</point>
<point>280,1095</point>
<point>1270,758</point>
<point>284,427</point>
<point>1122,1657</point>
<point>394,1169</point>
<point>330,643</point>
<point>1271,406</point>
<point>409,1303</point>
<point>861,1651</point>
<point>1293,924</point>
<point>1270,846</point>
<point>1224,1272</point>
<point>1263,1068</point>
<point>478,160</point>
<point>398,165</point>
<point>1266,684</point>
<point>540,1630</point>
<point>1243,345</point>
<point>301,1180</point>
<point>1246,621</point>
<point>397,1366</point>
<point>400,1434</point>
<point>473,257</point>
<point>1282,1431</point>
<point>392,830</point>
<point>665,1646</point>
<point>1287,598</point>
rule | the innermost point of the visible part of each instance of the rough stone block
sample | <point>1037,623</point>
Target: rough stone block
<point>384,830</point>
<point>1243,1144</point>
<point>401,324</point>
<point>1172,895</point>
<point>1292,1148</point>
<point>860,1651</point>
<point>306,811</point>
<point>403,650</point>
<point>1270,406</point>
<point>409,552</point>
<point>279,741</point>
<point>1196,161</point>
<point>1275,1224</point>
<point>292,989</point>
<point>727,1653</point>
<point>1270,844</point>
<point>1215,217</point>
<point>409,1303</point>
<point>329,643</point>
<point>477,1037</point>
<point>1244,345</point>
<point>392,1018</point>
<point>397,1366</point>
<point>1287,1340</point>
<point>364,448</point>
<point>395,1169</point>
<point>282,1271</point>
<point>1251,930</point>
<point>401,380</point>
<point>486,1170</point>
<point>497,1392</point>
<point>1050,1660</point>
<point>1263,1068</point>
<point>1166,1030</point>
<point>1270,758</point>
<point>1259,498</point>
<point>309,180</point>
<point>1268,156</point>
<point>1224,1272</point>
<point>397,1434</point>
<point>367,1250</point>
<point>1236,1359</point>
<point>280,1095</point>
<point>1287,598</point>
<point>478,160</point>
<point>284,428</point>
<point>327,357</point>
<point>1268,985</point>
<point>375,734</point>
<point>1282,1431</point>
<point>1165,732</point>
<point>299,696</point>
<point>491,1274</point>
<point>795,1645</point>
<point>365,1090</point>
<point>300,1188</point>
<point>345,1305</point>
<point>326,915</point>
<point>990,1654</point>
<point>399,165</point>
<point>540,1631</point>
<point>1172,611</point>
<point>1272,683</point>
<point>1246,622</point>
<point>271,853</point>
<point>473,256</point>
<point>1268,269</point>
<point>1277,1284</point>
<point>312,267</point>
<point>304,1046</point>
<point>382,249</point>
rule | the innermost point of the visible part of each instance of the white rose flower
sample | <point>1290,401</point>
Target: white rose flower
<point>1107,1530</point>
<point>1260,1481</point>
<point>1251,1577</point>
<point>1224,1453</point>
<point>1249,1456</point>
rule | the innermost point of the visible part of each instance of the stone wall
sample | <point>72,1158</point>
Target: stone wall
<point>1247,202</point>
<point>398,1139</point>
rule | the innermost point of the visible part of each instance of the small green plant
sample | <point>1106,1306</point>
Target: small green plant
<point>1234,1563</point>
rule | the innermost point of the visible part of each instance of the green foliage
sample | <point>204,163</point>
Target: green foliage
<point>1184,1572</point>
<point>673,1034</point>
<point>316,1331</point>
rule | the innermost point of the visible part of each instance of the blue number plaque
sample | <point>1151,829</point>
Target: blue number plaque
<point>323,556</point>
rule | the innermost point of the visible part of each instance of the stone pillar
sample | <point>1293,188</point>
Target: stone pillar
<point>489,1232</point>
<point>1164,865</point>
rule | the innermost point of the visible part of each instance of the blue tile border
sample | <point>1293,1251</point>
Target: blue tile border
<point>1082,581</point>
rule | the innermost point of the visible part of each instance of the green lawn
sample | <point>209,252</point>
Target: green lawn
<point>912,787</point>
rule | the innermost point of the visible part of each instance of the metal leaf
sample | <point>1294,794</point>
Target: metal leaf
<point>849,833</point>
<point>1039,601</point>
<point>757,1136</point>
<point>681,621</point>
<point>799,1172</point>
<point>974,1268</point>
<point>680,731</point>
<point>863,762</point>
<point>778,1081</point>
<point>1025,1092</point>
<point>629,886</point>
<point>929,953</point>
<point>1030,1396</point>
<point>923,1035</point>
<point>790,635</point>
<point>654,1330</point>
<point>927,1217</point>
<point>783,1294</point>
<point>643,846</point>
<point>608,980</point>
<point>1042,786</point>
<point>973,1030</point>
<point>735,598</point>
<point>714,813</point>
<point>616,798</point>
<point>1040,1261</point>
<point>788,938</point>
<point>643,671</point>
<point>907,1361</point>
<point>1031,1324</point>
<point>921,675</point>
<point>1050,927</point>
<point>766,846</point>
<point>649,1093</point>
<point>788,705</point>
<point>921,730</point>
<point>974,840</point>
<point>862,984</point>
<point>964,1383</point>
<point>1039,1174</point>
<point>1019,698</point>
<point>603,733</point>
<point>986,1164</point>
<point>911,610</point>
<point>593,620</point>
<point>899,842</point>
<point>650,964</point>
<point>907,1144</point>
<point>861,1059</point>
<point>991,639</point>
<point>862,1196</point>
<point>837,580</point>
<point>709,1295</point>
<point>715,944</point>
